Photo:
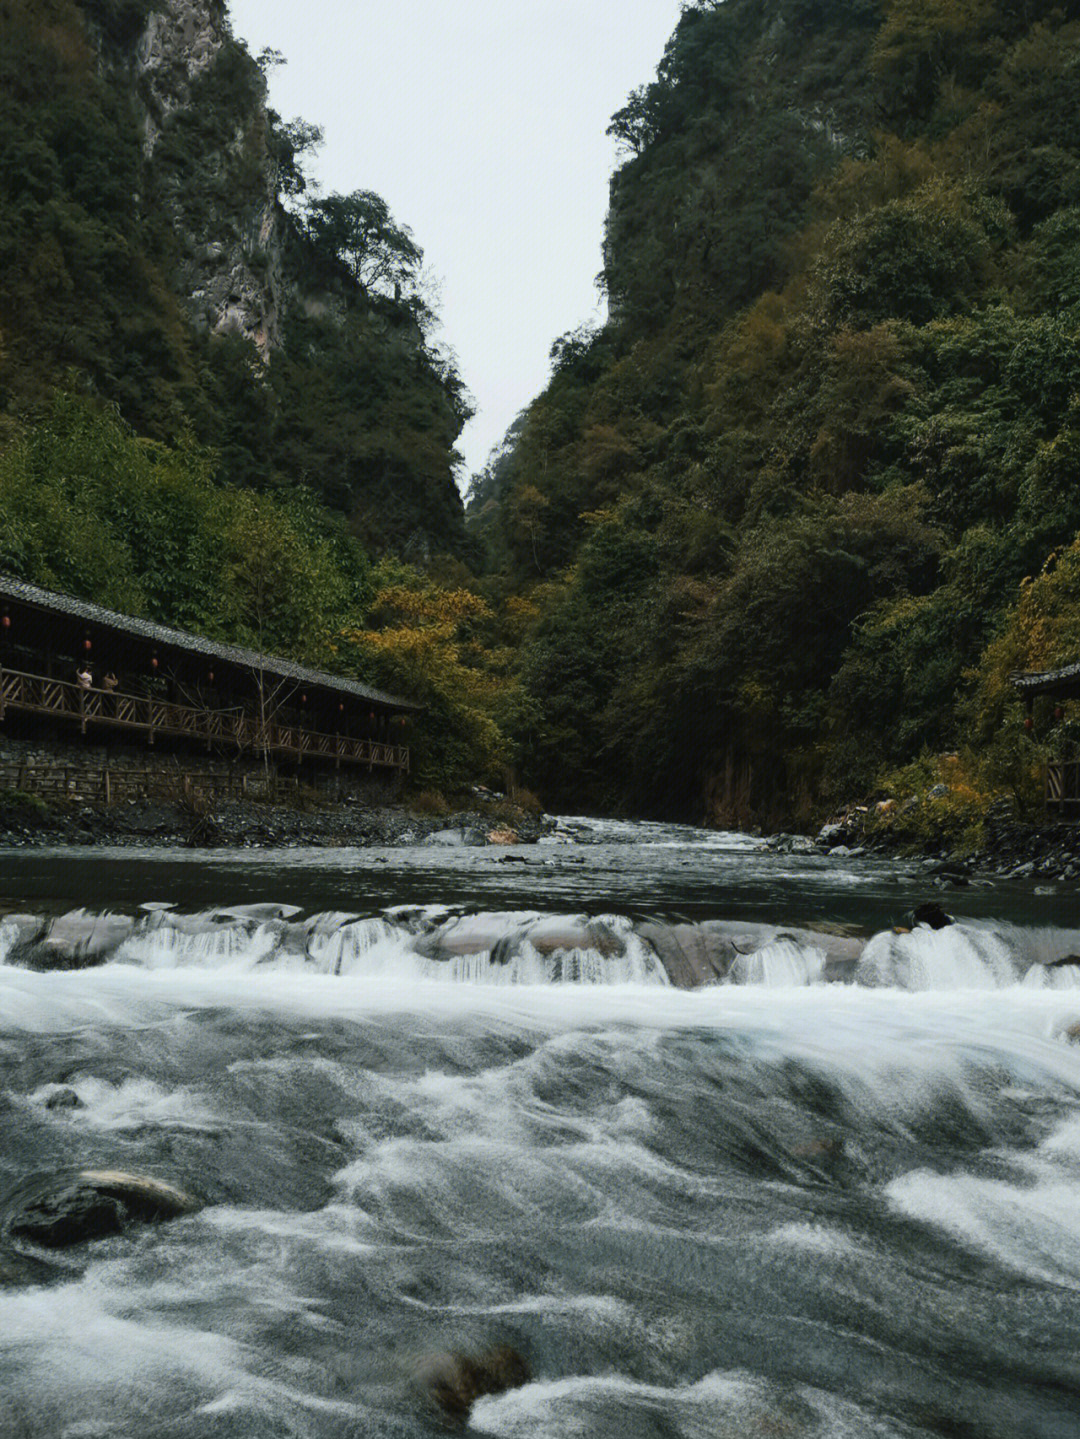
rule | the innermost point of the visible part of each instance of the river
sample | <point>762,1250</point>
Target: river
<point>439,1099</point>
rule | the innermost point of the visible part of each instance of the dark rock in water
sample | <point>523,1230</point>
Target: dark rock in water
<point>455,1381</point>
<point>932,915</point>
<point>1065,959</point>
<point>64,1098</point>
<point>75,941</point>
<point>93,1204</point>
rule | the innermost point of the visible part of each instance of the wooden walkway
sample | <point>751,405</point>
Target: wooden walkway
<point>35,694</point>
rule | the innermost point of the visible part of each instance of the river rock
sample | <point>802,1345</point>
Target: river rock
<point>692,954</point>
<point>63,1098</point>
<point>502,836</point>
<point>932,915</point>
<point>454,1381</point>
<point>74,941</point>
<point>93,1204</point>
<point>455,838</point>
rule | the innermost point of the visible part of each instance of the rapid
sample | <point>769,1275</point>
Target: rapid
<point>687,1124</point>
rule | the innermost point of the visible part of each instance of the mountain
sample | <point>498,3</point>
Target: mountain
<point>772,519</point>
<point>159,253</point>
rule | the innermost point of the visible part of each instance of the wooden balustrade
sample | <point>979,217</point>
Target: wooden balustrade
<point>1063,788</point>
<point>151,716</point>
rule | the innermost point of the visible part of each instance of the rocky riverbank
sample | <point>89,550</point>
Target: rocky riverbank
<point>246,824</point>
<point>1010,848</point>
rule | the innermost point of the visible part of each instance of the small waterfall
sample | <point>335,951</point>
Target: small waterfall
<point>163,940</point>
<point>784,962</point>
<point>960,956</point>
<point>9,936</point>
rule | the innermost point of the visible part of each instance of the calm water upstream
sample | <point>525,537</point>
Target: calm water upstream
<point>447,1098</point>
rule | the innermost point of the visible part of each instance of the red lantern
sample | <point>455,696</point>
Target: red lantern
<point>86,644</point>
<point>1029,723</point>
<point>341,708</point>
<point>153,663</point>
<point>6,621</point>
<point>209,677</point>
<point>371,716</point>
<point>303,699</point>
<point>1059,713</point>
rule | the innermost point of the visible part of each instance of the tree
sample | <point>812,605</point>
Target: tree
<point>359,232</point>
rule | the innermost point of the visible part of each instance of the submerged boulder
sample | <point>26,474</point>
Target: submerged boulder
<point>92,1204</point>
<point>74,941</point>
<point>692,954</point>
<point>454,1381</point>
<point>932,915</point>
<point>63,1098</point>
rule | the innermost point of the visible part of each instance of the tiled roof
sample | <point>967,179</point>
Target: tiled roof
<point>20,591</point>
<point>1046,679</point>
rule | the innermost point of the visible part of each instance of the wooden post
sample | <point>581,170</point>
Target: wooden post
<point>108,788</point>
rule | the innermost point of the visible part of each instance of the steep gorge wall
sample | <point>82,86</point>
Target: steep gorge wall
<point>208,164</point>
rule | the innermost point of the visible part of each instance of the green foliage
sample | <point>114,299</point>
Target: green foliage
<point>16,803</point>
<point>88,508</point>
<point>424,640</point>
<point>113,205</point>
<point>839,393</point>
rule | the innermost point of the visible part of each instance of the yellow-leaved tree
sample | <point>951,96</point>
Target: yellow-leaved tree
<point>427,643</point>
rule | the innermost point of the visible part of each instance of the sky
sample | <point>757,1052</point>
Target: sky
<point>482,126</point>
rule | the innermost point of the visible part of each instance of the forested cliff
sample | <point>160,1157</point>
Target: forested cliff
<point>773,536</point>
<point>158,252</point>
<point>780,525</point>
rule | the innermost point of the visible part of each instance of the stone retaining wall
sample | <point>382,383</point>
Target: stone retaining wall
<point>106,773</point>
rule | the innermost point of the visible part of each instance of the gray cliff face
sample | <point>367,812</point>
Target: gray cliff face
<point>209,167</point>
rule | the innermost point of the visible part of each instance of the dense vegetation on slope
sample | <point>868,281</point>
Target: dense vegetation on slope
<point>772,520</point>
<point>120,183</point>
<point>221,403</point>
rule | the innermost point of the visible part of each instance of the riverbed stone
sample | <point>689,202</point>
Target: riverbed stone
<point>63,1098</point>
<point>76,940</point>
<point>692,954</point>
<point>454,1381</point>
<point>94,1204</point>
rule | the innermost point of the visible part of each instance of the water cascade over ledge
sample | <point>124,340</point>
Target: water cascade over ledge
<point>666,1141</point>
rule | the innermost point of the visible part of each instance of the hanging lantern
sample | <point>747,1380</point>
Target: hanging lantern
<point>341,708</point>
<point>6,621</point>
<point>87,645</point>
<point>209,677</point>
<point>153,663</point>
<point>1059,713</point>
<point>303,699</point>
<point>1029,723</point>
<point>371,716</point>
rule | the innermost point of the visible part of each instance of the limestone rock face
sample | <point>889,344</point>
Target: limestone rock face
<point>205,143</point>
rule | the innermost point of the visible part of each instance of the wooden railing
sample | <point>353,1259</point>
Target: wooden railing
<point>151,716</point>
<point>1063,788</point>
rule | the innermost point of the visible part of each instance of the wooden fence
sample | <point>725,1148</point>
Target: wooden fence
<point>1063,789</point>
<point>150,717</point>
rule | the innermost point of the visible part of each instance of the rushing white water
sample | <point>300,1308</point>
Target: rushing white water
<point>624,1181</point>
<point>830,1192</point>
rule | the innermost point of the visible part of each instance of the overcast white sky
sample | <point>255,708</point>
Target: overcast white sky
<point>482,126</point>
